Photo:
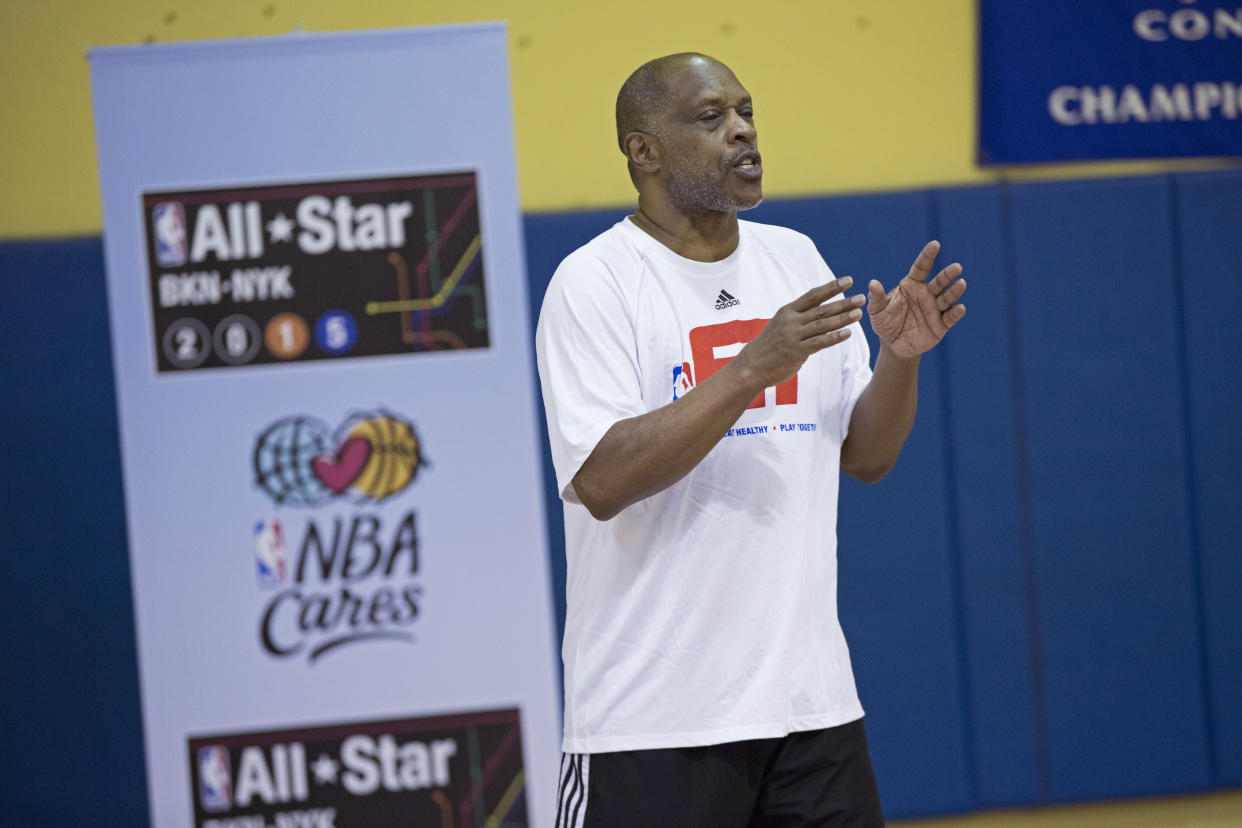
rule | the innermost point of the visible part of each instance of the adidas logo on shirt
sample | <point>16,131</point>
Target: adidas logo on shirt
<point>726,300</point>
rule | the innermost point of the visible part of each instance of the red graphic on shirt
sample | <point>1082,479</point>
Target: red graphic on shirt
<point>705,340</point>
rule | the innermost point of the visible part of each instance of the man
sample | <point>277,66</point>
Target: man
<point>707,682</point>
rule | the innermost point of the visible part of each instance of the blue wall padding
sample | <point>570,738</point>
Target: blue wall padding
<point>72,728</point>
<point>1042,599</point>
<point>1002,682</point>
<point>1096,297</point>
<point>1210,230</point>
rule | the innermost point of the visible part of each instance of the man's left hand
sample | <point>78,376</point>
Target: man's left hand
<point>912,317</point>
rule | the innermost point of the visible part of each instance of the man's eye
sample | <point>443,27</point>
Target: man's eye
<point>747,112</point>
<point>710,115</point>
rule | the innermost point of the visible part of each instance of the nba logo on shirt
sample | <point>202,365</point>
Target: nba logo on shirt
<point>169,221</point>
<point>683,380</point>
<point>270,560</point>
<point>215,785</point>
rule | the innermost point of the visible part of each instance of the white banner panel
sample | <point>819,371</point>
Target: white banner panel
<point>321,341</point>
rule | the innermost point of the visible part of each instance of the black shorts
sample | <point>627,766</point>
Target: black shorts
<point>811,778</point>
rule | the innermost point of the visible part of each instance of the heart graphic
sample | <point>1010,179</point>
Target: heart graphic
<point>338,472</point>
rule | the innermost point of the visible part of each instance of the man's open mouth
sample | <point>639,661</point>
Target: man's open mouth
<point>748,164</point>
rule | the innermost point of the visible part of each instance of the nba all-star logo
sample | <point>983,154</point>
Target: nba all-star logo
<point>452,769</point>
<point>340,564</point>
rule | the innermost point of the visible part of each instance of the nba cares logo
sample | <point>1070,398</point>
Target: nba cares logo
<point>301,461</point>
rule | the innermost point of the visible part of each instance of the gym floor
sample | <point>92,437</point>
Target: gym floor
<point>1216,810</point>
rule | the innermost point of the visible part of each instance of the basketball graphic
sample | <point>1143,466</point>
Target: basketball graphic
<point>394,458</point>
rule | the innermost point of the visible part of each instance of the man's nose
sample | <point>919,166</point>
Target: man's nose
<point>741,129</point>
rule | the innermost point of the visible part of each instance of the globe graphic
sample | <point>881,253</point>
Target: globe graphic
<point>282,461</point>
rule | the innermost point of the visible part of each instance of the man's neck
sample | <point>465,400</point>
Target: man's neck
<point>702,237</point>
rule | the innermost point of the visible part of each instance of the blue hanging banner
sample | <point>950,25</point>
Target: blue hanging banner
<point>1109,79</point>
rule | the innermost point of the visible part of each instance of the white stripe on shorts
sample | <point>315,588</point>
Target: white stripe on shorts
<point>571,794</point>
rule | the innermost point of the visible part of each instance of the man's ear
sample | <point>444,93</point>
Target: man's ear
<point>644,152</point>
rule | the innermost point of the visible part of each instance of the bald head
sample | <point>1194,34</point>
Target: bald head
<point>644,97</point>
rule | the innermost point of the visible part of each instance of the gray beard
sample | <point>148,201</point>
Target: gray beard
<point>695,194</point>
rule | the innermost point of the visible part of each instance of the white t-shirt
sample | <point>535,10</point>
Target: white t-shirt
<point>706,613</point>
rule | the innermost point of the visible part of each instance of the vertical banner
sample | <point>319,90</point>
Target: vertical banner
<point>1102,79</point>
<point>320,330</point>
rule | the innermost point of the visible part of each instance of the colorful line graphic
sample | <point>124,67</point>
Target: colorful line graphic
<point>506,801</point>
<point>441,296</point>
<point>424,294</point>
<point>474,804</point>
<point>446,808</point>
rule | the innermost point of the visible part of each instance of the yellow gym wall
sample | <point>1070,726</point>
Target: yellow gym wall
<point>851,95</point>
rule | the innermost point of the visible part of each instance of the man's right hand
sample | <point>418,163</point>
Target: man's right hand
<point>797,330</point>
